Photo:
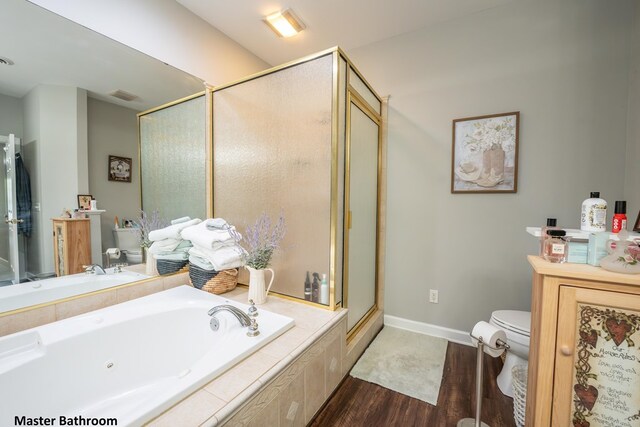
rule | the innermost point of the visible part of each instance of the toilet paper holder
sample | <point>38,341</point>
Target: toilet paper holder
<point>500,345</point>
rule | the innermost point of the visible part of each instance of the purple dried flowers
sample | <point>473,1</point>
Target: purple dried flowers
<point>147,223</point>
<point>262,239</point>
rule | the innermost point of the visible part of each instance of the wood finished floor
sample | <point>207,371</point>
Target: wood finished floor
<point>360,403</point>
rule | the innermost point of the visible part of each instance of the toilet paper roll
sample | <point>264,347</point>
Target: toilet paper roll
<point>490,335</point>
<point>113,253</point>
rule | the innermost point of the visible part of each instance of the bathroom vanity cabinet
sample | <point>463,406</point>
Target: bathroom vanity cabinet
<point>71,245</point>
<point>584,359</point>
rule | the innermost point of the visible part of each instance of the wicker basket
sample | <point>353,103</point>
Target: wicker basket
<point>519,373</point>
<point>166,266</point>
<point>215,282</point>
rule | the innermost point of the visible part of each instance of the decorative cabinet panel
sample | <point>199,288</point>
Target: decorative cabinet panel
<point>71,245</point>
<point>598,359</point>
<point>584,357</point>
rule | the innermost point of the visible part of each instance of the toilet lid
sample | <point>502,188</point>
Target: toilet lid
<point>513,320</point>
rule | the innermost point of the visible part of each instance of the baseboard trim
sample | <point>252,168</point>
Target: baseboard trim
<point>454,335</point>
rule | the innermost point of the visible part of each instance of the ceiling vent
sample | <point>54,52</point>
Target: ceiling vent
<point>125,96</point>
<point>5,61</point>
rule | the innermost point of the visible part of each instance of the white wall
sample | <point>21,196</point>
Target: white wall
<point>564,66</point>
<point>164,30</point>
<point>10,115</point>
<point>55,137</point>
<point>113,130</point>
<point>10,122</point>
<point>632,169</point>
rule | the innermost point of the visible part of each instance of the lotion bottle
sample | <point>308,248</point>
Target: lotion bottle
<point>619,221</point>
<point>594,213</point>
<point>324,290</point>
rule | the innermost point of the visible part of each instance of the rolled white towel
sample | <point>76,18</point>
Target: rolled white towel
<point>172,231</point>
<point>179,220</point>
<point>221,259</point>
<point>216,224</point>
<point>202,236</point>
<point>164,245</point>
<point>203,263</point>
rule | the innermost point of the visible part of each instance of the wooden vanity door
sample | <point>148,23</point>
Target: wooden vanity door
<point>597,368</point>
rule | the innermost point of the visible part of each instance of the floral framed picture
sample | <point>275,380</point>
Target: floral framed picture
<point>485,154</point>
<point>119,169</point>
<point>84,202</point>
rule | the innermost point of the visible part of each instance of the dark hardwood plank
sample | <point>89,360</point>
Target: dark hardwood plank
<point>360,403</point>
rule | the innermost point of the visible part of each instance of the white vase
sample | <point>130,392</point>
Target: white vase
<point>257,289</point>
<point>151,267</point>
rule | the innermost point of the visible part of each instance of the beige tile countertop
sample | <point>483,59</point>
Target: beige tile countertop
<point>220,398</point>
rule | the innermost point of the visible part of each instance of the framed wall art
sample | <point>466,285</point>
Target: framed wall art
<point>485,154</point>
<point>119,169</point>
<point>84,201</point>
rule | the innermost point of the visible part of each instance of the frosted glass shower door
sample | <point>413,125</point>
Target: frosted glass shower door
<point>361,233</point>
<point>9,254</point>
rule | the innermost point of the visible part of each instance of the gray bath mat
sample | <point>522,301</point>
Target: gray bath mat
<point>404,361</point>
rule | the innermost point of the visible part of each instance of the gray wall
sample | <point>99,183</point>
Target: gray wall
<point>632,177</point>
<point>564,66</point>
<point>113,130</point>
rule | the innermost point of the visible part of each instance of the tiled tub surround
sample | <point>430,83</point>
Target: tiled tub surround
<point>11,322</point>
<point>41,291</point>
<point>130,361</point>
<point>284,383</point>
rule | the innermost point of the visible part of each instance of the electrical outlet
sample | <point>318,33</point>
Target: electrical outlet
<point>433,296</point>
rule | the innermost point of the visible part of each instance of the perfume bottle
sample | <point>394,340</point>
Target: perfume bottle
<point>555,247</point>
<point>551,224</point>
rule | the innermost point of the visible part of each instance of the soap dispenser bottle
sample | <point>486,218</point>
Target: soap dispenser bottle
<point>594,213</point>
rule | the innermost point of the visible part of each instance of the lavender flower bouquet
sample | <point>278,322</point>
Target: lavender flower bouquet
<point>261,240</point>
<point>147,223</point>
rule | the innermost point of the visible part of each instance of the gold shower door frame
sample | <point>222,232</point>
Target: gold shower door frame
<point>351,94</point>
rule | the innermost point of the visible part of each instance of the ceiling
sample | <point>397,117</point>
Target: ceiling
<point>345,23</point>
<point>49,49</point>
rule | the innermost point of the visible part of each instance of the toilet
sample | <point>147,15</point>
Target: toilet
<point>128,242</point>
<point>517,326</point>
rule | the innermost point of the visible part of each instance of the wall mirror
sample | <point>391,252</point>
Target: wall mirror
<point>69,97</point>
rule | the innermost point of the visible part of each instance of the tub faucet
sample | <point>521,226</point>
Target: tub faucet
<point>242,317</point>
<point>94,268</point>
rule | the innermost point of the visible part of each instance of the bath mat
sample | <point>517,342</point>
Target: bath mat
<point>406,362</point>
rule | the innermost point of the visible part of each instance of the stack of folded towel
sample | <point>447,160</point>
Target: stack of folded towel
<point>215,245</point>
<point>168,244</point>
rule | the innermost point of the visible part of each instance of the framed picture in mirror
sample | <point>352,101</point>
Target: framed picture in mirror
<point>119,169</point>
<point>84,201</point>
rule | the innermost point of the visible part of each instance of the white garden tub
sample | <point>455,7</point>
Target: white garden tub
<point>127,362</point>
<point>27,294</point>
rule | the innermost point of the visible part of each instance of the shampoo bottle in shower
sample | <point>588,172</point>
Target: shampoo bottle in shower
<point>594,213</point>
<point>324,290</point>
<point>315,288</point>
<point>307,288</point>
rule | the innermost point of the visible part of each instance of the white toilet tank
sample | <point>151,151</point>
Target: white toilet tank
<point>128,241</point>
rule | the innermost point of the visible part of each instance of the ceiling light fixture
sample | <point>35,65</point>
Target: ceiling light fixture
<point>284,23</point>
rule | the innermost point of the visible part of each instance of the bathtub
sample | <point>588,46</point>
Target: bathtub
<point>27,294</point>
<point>128,362</point>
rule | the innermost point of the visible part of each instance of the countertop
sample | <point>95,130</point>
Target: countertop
<point>581,271</point>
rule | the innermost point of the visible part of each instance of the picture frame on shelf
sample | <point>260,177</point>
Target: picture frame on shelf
<point>120,168</point>
<point>484,154</point>
<point>84,202</point>
<point>636,227</point>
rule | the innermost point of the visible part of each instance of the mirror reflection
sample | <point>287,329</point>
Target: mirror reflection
<point>69,139</point>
